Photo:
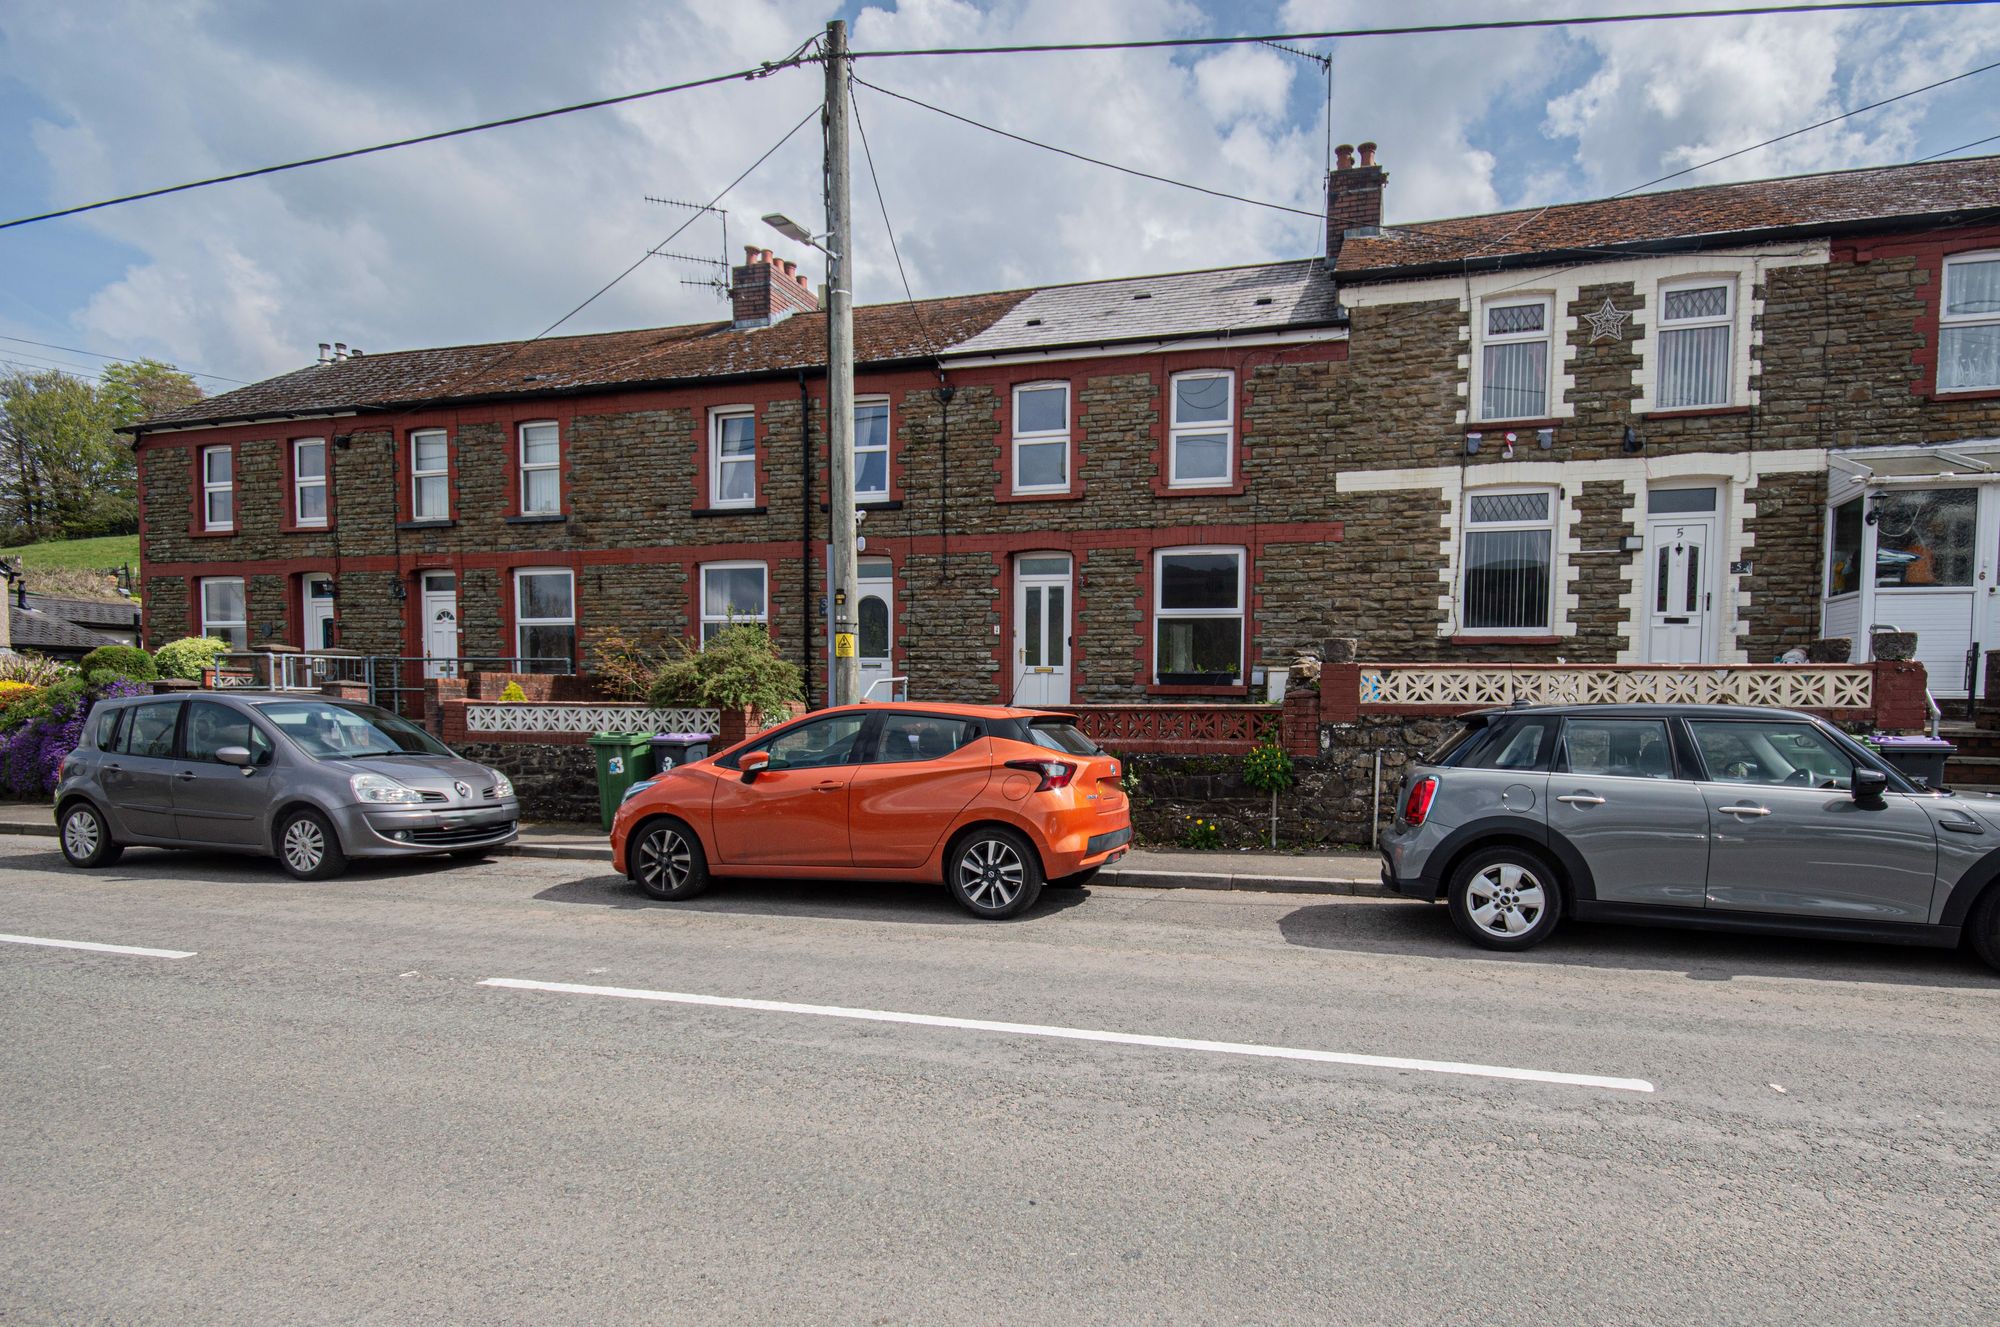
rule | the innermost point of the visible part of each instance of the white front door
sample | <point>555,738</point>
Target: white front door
<point>440,615</point>
<point>875,615</point>
<point>1041,629</point>
<point>316,615</point>
<point>1680,576</point>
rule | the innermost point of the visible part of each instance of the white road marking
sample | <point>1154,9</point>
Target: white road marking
<point>1086,1034</point>
<point>95,948</point>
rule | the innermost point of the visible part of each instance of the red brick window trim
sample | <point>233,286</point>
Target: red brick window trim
<point>873,429</point>
<point>1968,358</point>
<point>1201,429</point>
<point>429,458</point>
<point>308,484</point>
<point>538,468</point>
<point>215,488</point>
<point>735,593</point>
<point>1040,454</point>
<point>732,457</point>
<point>545,617</point>
<point>219,607</point>
<point>1200,616</point>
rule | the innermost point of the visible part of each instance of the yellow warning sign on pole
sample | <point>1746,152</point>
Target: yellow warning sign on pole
<point>843,645</point>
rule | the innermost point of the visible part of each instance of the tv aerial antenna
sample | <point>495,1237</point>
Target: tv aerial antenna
<point>717,278</point>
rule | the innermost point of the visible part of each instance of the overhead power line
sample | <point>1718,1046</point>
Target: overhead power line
<point>895,250</point>
<point>1418,29</point>
<point>761,71</point>
<point>1094,161</point>
<point>119,359</point>
<point>1962,147</point>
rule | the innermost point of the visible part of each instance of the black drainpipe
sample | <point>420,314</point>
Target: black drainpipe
<point>805,530</point>
<point>945,392</point>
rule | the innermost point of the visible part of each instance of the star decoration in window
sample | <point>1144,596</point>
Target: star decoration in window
<point>1607,323</point>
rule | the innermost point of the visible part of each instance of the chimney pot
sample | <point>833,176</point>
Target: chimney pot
<point>789,266</point>
<point>1368,154</point>
<point>765,257</point>
<point>326,352</point>
<point>1343,157</point>
<point>750,252</point>
<point>340,350</point>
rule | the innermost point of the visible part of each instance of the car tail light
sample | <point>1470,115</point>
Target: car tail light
<point>1417,806</point>
<point>1054,773</point>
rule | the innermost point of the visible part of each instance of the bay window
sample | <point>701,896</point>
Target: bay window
<point>1198,616</point>
<point>309,481</point>
<point>1969,324</point>
<point>1514,359</point>
<point>871,449</point>
<point>430,476</point>
<point>223,613</point>
<point>732,457</point>
<point>1696,321</point>
<point>218,488</point>
<point>1041,438</point>
<point>545,619</point>
<point>1202,429</point>
<point>541,470</point>
<point>732,594</point>
<point>1507,583</point>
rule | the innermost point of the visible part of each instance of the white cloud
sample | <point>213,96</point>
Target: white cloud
<point>1245,81</point>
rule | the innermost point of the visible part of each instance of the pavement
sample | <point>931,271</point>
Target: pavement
<point>1281,873</point>
<point>519,1091</point>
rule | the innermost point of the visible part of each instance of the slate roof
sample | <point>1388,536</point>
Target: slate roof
<point>1226,299</point>
<point>32,630</point>
<point>1831,200</point>
<point>87,612</point>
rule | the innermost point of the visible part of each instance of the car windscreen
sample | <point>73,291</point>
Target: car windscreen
<point>327,731</point>
<point>1062,735</point>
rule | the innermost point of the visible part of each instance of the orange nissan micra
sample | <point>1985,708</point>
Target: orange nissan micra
<point>992,801</point>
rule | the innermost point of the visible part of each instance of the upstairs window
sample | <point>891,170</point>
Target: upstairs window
<point>1514,360</point>
<point>309,481</point>
<point>1041,438</point>
<point>1969,324</point>
<point>1509,562</point>
<point>732,457</point>
<point>1202,431</point>
<point>871,449</point>
<point>1198,616</point>
<point>545,620</point>
<point>1696,322</point>
<point>541,470</point>
<point>430,476</point>
<point>733,594</point>
<point>218,488</point>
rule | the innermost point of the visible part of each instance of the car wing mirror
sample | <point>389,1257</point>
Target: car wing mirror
<point>235,755</point>
<point>753,764</point>
<point>1869,784</point>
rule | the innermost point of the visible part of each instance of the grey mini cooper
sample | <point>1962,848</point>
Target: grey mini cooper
<point>309,780</point>
<point>1734,818</point>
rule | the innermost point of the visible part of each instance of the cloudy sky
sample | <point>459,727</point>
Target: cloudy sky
<point>497,235</point>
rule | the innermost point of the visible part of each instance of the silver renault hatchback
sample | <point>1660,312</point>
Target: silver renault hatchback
<point>310,780</point>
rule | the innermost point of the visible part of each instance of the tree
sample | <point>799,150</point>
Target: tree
<point>143,388</point>
<point>64,471</point>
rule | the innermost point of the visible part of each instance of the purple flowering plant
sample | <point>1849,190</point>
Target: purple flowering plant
<point>32,751</point>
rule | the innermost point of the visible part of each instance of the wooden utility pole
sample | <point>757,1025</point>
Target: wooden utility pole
<point>844,677</point>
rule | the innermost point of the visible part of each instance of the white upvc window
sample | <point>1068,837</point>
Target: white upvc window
<point>545,619</point>
<point>1969,323</point>
<point>218,488</point>
<point>732,594</point>
<point>1041,437</point>
<point>309,481</point>
<point>732,457</point>
<point>223,614</point>
<point>1514,358</point>
<point>541,469</point>
<point>1198,616</point>
<point>871,448</point>
<point>1507,581</point>
<point>1697,331</point>
<point>1201,429</point>
<point>430,476</point>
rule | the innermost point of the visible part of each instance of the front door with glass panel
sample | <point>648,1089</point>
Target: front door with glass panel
<point>316,614</point>
<point>876,617</point>
<point>1041,629</point>
<point>1680,568</point>
<point>440,616</point>
<point>1926,569</point>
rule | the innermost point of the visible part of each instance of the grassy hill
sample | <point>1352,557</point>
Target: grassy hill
<point>100,554</point>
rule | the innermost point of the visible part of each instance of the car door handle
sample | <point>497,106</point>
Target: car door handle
<point>186,776</point>
<point>1746,810</point>
<point>828,787</point>
<point>1581,799</point>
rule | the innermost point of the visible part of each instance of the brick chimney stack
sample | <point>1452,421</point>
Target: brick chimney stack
<point>767,290</point>
<point>1353,197</point>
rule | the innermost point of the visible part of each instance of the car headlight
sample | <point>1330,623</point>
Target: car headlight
<point>382,790</point>
<point>638,788</point>
<point>502,785</point>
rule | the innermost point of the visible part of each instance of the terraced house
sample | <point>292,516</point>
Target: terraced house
<point>1704,425</point>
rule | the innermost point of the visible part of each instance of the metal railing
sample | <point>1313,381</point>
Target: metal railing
<point>393,680</point>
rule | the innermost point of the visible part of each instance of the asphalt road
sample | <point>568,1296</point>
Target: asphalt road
<point>322,1115</point>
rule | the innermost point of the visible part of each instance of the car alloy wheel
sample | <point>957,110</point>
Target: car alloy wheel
<point>991,873</point>
<point>1506,900</point>
<point>665,862</point>
<point>304,846</point>
<point>81,834</point>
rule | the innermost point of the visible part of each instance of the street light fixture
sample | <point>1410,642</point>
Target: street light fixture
<point>792,230</point>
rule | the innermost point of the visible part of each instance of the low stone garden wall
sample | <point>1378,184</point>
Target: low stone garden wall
<point>556,783</point>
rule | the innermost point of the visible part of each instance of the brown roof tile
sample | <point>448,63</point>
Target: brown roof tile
<point>1836,198</point>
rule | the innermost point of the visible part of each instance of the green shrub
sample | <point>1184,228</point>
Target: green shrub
<point>126,660</point>
<point>187,657</point>
<point>36,704</point>
<point>512,693</point>
<point>1267,769</point>
<point>739,669</point>
<point>33,669</point>
<point>1198,832</point>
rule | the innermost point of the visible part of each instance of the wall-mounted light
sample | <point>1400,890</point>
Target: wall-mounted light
<point>1472,441</point>
<point>1547,437</point>
<point>1507,452</point>
<point>397,590</point>
<point>343,440</point>
<point>1633,442</point>
<point>1874,513</point>
<point>1632,543</point>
